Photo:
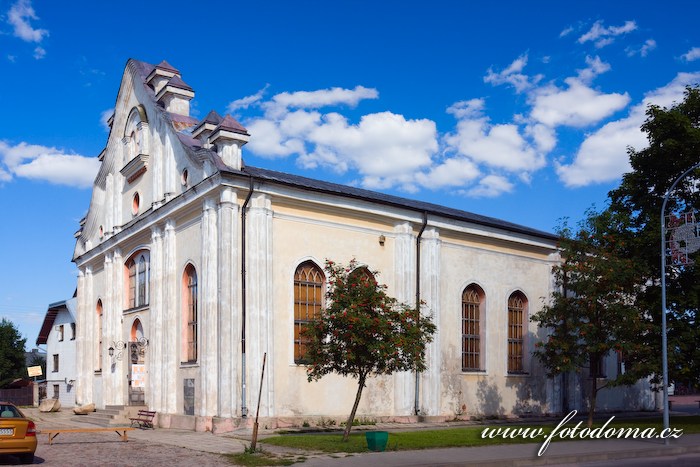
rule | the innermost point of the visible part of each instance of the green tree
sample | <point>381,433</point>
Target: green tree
<point>593,313</point>
<point>12,359</point>
<point>674,147</point>
<point>363,332</point>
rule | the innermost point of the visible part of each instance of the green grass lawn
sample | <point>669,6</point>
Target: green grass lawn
<point>461,436</point>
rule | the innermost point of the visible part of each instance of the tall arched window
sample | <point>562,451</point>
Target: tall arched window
<point>472,327</point>
<point>309,289</point>
<point>364,273</point>
<point>98,310</point>
<point>189,313</point>
<point>517,313</point>
<point>138,276</point>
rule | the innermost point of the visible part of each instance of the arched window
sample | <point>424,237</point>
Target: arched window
<point>98,310</point>
<point>133,145</point>
<point>364,273</point>
<point>309,289</point>
<point>472,327</point>
<point>517,313</point>
<point>138,276</point>
<point>189,314</point>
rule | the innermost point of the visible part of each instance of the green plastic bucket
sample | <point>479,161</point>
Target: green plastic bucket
<point>376,440</point>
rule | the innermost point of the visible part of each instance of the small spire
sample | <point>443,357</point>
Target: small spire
<point>176,82</point>
<point>231,124</point>
<point>167,67</point>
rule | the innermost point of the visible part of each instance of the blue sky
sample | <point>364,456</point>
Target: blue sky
<point>517,110</point>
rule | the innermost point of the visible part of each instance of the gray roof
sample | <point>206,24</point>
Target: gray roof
<point>178,83</point>
<point>298,181</point>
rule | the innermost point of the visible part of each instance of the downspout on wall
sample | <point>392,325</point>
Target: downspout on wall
<point>416,404</point>
<point>244,408</point>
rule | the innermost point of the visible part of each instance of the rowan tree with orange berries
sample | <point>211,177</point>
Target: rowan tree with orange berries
<point>363,332</point>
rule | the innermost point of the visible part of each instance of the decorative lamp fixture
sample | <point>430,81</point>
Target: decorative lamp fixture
<point>118,347</point>
<point>382,239</point>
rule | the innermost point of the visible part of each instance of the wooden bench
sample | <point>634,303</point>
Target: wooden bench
<point>144,419</point>
<point>120,430</point>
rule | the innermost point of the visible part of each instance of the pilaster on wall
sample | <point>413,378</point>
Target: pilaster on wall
<point>259,330</point>
<point>83,389</point>
<point>229,316</point>
<point>172,319</point>
<point>91,339</point>
<point>157,160</point>
<point>209,312</point>
<point>119,381</point>
<point>405,289</point>
<point>118,218</point>
<point>155,350</point>
<point>430,294</point>
<point>109,204</point>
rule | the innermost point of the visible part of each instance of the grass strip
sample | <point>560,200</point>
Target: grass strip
<point>461,436</point>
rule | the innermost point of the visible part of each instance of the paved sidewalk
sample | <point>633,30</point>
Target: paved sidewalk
<point>558,453</point>
<point>198,441</point>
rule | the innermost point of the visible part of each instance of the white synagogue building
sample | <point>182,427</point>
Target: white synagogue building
<point>193,265</point>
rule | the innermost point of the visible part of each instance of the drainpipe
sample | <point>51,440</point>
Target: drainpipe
<point>416,404</point>
<point>244,408</point>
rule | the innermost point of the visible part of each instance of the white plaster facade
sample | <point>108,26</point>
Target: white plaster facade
<point>175,191</point>
<point>59,334</point>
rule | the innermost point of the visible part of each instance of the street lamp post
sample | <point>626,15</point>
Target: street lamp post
<point>664,344</point>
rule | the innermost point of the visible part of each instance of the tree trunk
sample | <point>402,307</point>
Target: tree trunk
<point>351,418</point>
<point>592,398</point>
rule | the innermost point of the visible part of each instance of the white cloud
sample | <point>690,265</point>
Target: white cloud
<point>602,36</point>
<point>496,146</point>
<point>39,53</point>
<point>595,67</point>
<point>48,164</point>
<point>456,171</point>
<point>245,102</point>
<point>643,50</point>
<point>513,75</point>
<point>385,148</point>
<point>576,106</point>
<point>691,55</point>
<point>490,187</point>
<point>473,108</point>
<point>321,98</point>
<point>19,16</point>
<point>267,140</point>
<point>603,155</point>
<point>105,115</point>
<point>4,175</point>
<point>566,31</point>
<point>383,145</point>
<point>542,136</point>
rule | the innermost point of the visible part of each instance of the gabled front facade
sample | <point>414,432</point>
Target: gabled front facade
<point>58,333</point>
<point>193,266</point>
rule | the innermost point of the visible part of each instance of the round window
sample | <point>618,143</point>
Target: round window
<point>135,204</point>
<point>185,177</point>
